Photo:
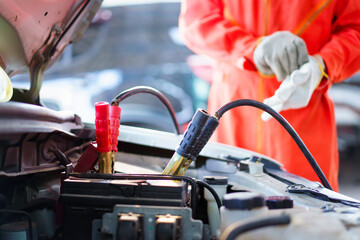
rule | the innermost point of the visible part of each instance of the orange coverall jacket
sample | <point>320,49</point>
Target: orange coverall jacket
<point>228,32</point>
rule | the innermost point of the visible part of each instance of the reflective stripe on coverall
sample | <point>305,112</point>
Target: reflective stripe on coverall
<point>228,32</point>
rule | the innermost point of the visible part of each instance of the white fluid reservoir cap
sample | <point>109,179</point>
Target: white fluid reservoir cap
<point>6,90</point>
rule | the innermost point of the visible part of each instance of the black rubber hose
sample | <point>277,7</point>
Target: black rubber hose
<point>145,89</point>
<point>234,230</point>
<point>24,214</point>
<point>285,124</point>
<point>213,192</point>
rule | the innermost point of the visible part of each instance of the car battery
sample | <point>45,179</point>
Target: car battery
<point>86,199</point>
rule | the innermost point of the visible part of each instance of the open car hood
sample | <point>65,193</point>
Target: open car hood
<point>35,33</point>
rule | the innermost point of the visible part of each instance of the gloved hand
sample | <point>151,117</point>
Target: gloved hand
<point>296,90</point>
<point>280,53</point>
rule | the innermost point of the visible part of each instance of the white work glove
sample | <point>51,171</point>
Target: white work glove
<point>6,90</point>
<point>296,90</point>
<point>280,53</point>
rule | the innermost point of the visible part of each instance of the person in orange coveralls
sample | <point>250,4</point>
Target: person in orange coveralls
<point>286,53</point>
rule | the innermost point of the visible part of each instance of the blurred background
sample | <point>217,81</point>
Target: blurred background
<point>136,42</point>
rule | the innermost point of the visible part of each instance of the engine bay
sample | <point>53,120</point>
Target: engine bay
<point>40,148</point>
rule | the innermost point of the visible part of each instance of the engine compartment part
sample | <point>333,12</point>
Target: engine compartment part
<point>157,222</point>
<point>294,223</point>
<point>87,197</point>
<point>219,184</point>
<point>239,206</point>
<point>30,136</point>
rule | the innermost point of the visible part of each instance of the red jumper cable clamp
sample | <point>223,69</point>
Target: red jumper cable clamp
<point>102,130</point>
